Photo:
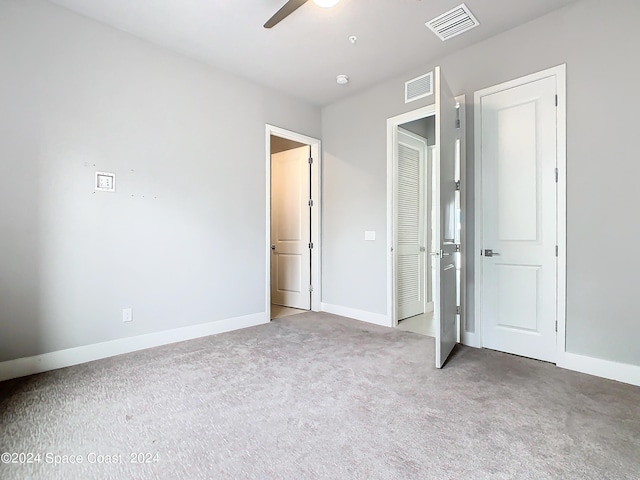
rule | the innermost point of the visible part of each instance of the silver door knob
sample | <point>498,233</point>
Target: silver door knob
<point>490,253</point>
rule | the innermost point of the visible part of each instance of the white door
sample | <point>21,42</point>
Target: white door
<point>518,135</point>
<point>411,215</point>
<point>444,222</point>
<point>290,228</point>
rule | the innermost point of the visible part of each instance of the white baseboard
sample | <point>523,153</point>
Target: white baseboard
<point>621,372</point>
<point>87,353</point>
<point>361,315</point>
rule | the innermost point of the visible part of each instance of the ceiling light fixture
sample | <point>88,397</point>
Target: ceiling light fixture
<point>326,3</point>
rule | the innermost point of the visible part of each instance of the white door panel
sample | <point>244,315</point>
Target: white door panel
<point>518,135</point>
<point>411,242</point>
<point>290,228</point>
<point>445,255</point>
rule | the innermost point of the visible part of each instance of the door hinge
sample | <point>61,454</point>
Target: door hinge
<point>556,100</point>
<point>311,203</point>
<point>311,288</point>
<point>310,245</point>
<point>458,186</point>
<point>556,326</point>
<point>458,310</point>
<point>556,250</point>
<point>310,160</point>
<point>457,123</point>
<point>457,247</point>
<point>556,175</point>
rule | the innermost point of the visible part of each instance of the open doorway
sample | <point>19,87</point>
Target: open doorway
<point>414,284</point>
<point>416,188</point>
<point>293,227</point>
<point>425,181</point>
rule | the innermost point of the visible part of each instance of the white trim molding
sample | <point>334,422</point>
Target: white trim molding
<point>621,372</point>
<point>316,211</point>
<point>464,244</point>
<point>88,353</point>
<point>363,316</point>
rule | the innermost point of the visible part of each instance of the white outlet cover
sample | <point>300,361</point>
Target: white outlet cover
<point>127,315</point>
<point>370,236</point>
<point>105,182</point>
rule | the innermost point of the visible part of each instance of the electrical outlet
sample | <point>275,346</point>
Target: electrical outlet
<point>105,182</point>
<point>127,315</point>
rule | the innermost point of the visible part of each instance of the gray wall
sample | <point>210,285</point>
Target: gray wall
<point>424,127</point>
<point>182,241</point>
<point>597,41</point>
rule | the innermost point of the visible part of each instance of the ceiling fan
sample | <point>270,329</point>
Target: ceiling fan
<point>291,6</point>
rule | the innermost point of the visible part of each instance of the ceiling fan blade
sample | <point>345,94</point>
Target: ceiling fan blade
<point>288,8</point>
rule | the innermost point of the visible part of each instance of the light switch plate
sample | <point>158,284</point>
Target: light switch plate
<point>369,236</point>
<point>105,182</point>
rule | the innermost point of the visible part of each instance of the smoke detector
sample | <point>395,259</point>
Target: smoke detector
<point>342,79</point>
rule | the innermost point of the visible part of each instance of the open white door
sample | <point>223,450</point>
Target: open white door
<point>445,253</point>
<point>290,229</point>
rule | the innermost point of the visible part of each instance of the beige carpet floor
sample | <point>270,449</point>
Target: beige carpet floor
<point>315,396</point>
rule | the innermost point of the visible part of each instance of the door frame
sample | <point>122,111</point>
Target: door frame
<point>559,72</point>
<point>392,138</point>
<point>316,214</point>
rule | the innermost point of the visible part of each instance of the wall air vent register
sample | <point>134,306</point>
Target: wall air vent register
<point>418,87</point>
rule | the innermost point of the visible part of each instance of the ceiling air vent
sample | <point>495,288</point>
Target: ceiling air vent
<point>452,23</point>
<point>419,87</point>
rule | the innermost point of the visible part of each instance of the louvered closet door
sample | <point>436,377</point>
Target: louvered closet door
<point>410,259</point>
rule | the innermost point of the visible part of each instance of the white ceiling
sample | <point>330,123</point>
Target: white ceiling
<point>303,54</point>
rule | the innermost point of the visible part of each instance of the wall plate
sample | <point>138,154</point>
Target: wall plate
<point>105,182</point>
